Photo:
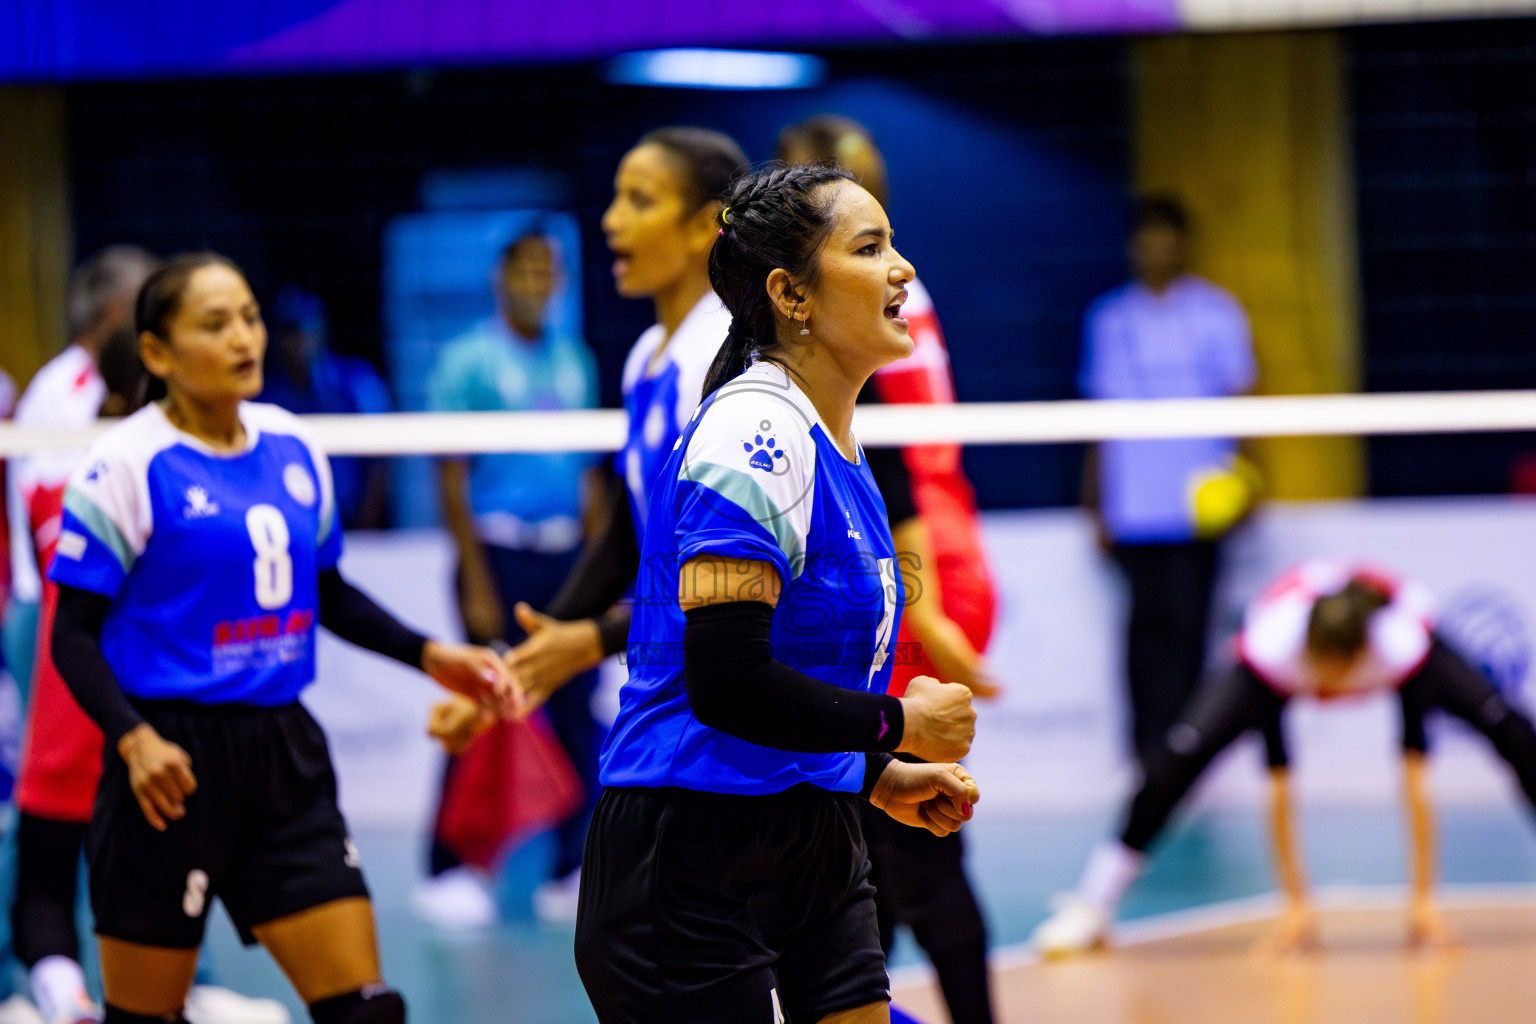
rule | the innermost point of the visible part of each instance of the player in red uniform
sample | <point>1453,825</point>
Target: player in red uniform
<point>61,753</point>
<point>1325,630</point>
<point>919,877</point>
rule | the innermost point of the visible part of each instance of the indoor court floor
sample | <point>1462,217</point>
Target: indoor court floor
<point>1186,952</point>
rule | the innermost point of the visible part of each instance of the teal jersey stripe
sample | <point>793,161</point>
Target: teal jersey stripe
<point>742,490</point>
<point>101,527</point>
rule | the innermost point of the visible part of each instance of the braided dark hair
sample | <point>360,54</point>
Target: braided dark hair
<point>775,218</point>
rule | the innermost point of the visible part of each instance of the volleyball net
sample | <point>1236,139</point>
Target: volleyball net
<point>969,423</point>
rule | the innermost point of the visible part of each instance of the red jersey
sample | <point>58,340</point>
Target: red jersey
<point>940,490</point>
<point>61,753</point>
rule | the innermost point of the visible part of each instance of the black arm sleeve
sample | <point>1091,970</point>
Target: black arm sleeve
<point>736,686</point>
<point>77,654</point>
<point>607,565</point>
<point>613,628</point>
<point>874,766</point>
<point>889,468</point>
<point>353,616</point>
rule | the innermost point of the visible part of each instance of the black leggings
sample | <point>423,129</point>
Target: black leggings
<point>47,876</point>
<point>1231,704</point>
<point>920,882</point>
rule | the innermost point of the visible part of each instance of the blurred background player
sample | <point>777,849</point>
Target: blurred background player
<point>1326,630</point>
<point>919,877</point>
<point>1165,334</point>
<point>98,374</point>
<point>304,376</point>
<point>660,226</point>
<point>516,522</point>
<point>61,754</point>
<point>197,552</point>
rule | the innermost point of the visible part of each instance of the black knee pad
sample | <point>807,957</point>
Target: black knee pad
<point>118,1015</point>
<point>377,1005</point>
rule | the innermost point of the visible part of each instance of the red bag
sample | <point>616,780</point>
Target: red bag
<point>514,781</point>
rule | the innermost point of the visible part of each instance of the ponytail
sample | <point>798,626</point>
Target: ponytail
<point>775,218</point>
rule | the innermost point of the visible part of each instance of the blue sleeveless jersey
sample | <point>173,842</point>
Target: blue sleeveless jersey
<point>661,393</point>
<point>211,559</point>
<point>755,476</point>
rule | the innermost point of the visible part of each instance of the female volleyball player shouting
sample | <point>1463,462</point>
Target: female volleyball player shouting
<point>726,874</point>
<point>198,550</point>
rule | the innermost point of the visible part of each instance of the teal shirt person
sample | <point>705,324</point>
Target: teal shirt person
<point>519,500</point>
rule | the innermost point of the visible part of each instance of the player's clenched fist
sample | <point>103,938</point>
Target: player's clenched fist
<point>939,720</point>
<point>937,797</point>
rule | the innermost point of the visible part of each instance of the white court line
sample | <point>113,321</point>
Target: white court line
<point>1247,910</point>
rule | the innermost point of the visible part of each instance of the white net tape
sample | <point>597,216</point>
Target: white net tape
<point>971,423</point>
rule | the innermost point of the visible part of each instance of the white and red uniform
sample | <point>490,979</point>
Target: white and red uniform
<point>940,491</point>
<point>61,754</point>
<point>1273,641</point>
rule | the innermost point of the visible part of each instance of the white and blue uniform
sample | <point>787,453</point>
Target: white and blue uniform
<point>755,476</point>
<point>661,393</point>
<point>211,559</point>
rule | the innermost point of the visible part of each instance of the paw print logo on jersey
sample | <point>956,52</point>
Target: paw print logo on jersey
<point>199,505</point>
<point>763,481</point>
<point>764,453</point>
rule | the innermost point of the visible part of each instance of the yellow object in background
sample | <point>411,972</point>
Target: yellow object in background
<point>1220,497</point>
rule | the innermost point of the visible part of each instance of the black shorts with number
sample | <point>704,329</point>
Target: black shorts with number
<point>706,907</point>
<point>262,832</point>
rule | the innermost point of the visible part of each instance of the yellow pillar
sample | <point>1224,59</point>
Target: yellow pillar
<point>1252,132</point>
<point>34,229</point>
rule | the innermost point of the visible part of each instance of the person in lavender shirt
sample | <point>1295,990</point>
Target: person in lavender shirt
<point>1166,333</point>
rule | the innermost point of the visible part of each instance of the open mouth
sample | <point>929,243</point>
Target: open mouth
<point>245,367</point>
<point>893,311</point>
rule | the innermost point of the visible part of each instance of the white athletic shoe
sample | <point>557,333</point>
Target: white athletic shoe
<point>19,1010</point>
<point>455,900</point>
<point>554,902</point>
<point>1075,927</point>
<point>210,1004</point>
<point>79,1011</point>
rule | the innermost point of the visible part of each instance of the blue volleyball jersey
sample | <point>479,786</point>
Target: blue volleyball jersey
<point>661,393</point>
<point>755,476</point>
<point>211,559</point>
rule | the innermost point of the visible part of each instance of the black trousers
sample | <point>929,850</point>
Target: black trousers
<point>1171,587</point>
<point>920,882</point>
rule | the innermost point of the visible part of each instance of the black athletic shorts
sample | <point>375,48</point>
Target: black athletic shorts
<point>709,908</point>
<point>262,832</point>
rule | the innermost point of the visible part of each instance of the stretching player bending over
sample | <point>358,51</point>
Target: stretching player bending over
<point>1323,630</point>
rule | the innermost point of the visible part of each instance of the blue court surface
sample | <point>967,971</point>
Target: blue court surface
<point>521,971</point>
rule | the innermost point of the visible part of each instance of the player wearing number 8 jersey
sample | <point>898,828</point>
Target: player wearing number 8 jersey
<point>198,552</point>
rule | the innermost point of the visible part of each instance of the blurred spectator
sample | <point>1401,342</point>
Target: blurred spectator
<point>919,878</point>
<point>516,521</point>
<point>304,376</point>
<point>1162,507</point>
